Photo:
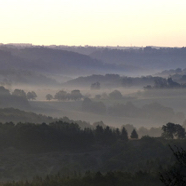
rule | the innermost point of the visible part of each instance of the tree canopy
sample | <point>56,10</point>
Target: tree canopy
<point>31,95</point>
<point>171,130</point>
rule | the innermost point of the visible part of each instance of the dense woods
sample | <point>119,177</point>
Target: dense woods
<point>57,136</point>
<point>100,156</point>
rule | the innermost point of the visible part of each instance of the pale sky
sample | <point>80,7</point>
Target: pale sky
<point>94,22</point>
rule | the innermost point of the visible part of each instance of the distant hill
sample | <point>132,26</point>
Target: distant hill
<point>148,57</point>
<point>73,61</point>
<point>19,77</point>
<point>53,61</point>
<point>16,116</point>
<point>111,80</point>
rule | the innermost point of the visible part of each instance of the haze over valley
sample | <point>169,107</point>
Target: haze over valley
<point>113,87</point>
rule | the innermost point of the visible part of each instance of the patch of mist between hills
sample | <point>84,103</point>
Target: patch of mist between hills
<point>178,104</point>
<point>113,121</point>
<point>61,109</point>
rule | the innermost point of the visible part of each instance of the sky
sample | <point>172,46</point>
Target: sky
<point>94,22</point>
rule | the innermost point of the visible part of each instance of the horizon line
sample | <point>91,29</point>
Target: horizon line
<point>99,46</point>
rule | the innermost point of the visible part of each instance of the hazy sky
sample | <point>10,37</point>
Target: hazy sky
<point>94,22</point>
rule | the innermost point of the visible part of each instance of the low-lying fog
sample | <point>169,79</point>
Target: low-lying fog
<point>113,106</point>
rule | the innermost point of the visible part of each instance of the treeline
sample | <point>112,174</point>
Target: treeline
<point>17,93</point>
<point>112,178</point>
<point>16,116</point>
<point>76,95</point>
<point>60,135</point>
<point>63,95</point>
<point>115,81</point>
<point>17,99</point>
<point>111,80</point>
<point>57,136</point>
<point>162,83</point>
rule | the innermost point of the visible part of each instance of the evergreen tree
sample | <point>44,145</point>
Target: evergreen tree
<point>134,134</point>
<point>124,134</point>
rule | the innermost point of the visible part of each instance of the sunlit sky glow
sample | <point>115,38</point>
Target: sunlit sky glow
<point>94,22</point>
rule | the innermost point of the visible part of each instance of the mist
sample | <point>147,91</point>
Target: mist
<point>77,109</point>
<point>117,87</point>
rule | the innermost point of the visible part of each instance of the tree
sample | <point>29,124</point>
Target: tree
<point>61,95</point>
<point>134,134</point>
<point>19,93</point>
<point>4,92</point>
<point>31,95</point>
<point>168,130</point>
<point>75,95</point>
<point>124,134</point>
<point>129,128</point>
<point>116,94</point>
<point>49,97</point>
<point>171,130</point>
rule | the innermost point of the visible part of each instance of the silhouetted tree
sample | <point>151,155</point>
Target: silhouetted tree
<point>129,128</point>
<point>134,134</point>
<point>61,95</point>
<point>124,134</point>
<point>49,97</point>
<point>171,130</point>
<point>19,93</point>
<point>31,95</point>
<point>116,94</point>
<point>75,95</point>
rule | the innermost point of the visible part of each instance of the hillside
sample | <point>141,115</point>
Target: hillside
<point>151,58</point>
<point>53,61</point>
